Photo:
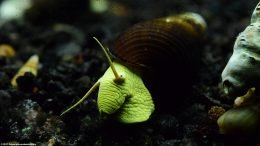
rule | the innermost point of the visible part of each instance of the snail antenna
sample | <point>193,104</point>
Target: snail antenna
<point>83,98</point>
<point>256,14</point>
<point>117,77</point>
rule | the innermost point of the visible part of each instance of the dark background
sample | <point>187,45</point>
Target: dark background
<point>61,31</point>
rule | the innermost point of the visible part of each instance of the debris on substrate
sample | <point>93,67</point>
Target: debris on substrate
<point>71,62</point>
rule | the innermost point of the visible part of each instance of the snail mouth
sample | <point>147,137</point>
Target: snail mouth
<point>233,88</point>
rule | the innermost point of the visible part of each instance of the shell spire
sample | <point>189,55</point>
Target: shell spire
<point>256,14</point>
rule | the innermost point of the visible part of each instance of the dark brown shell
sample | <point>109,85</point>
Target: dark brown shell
<point>151,43</point>
<point>164,51</point>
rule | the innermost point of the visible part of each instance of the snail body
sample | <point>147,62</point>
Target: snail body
<point>143,52</point>
<point>131,96</point>
<point>121,93</point>
<point>242,70</point>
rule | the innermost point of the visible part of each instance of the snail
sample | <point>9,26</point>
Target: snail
<point>242,70</point>
<point>30,66</point>
<point>240,75</point>
<point>144,53</point>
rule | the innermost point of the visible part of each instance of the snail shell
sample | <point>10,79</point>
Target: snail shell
<point>164,51</point>
<point>240,74</point>
<point>240,120</point>
<point>30,66</point>
<point>145,44</point>
<point>6,51</point>
<point>244,117</point>
<point>242,70</point>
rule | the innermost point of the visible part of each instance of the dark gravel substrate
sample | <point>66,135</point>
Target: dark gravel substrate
<point>71,62</point>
